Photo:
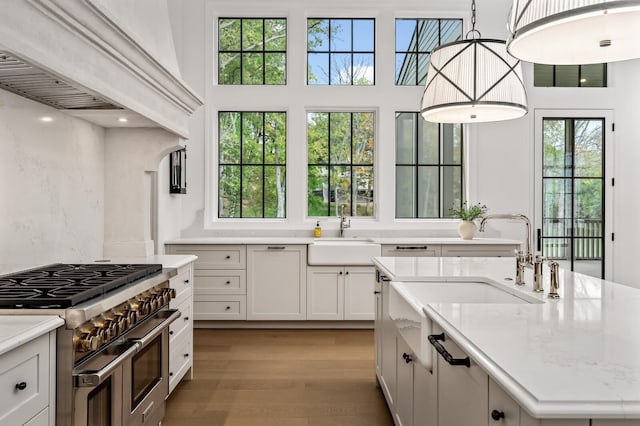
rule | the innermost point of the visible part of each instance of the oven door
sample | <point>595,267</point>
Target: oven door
<point>146,373</point>
<point>97,388</point>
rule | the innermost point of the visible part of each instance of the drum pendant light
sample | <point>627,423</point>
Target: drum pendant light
<point>570,32</point>
<point>472,81</point>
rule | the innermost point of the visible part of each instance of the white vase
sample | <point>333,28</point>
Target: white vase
<point>467,229</point>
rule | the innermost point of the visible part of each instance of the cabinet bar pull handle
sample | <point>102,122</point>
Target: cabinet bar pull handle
<point>276,248</point>
<point>376,292</point>
<point>411,247</point>
<point>434,340</point>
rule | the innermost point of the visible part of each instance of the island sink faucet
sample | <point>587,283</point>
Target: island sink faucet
<point>523,259</point>
<point>344,222</point>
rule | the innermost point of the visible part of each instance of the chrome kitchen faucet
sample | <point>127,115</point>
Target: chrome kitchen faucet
<point>344,222</point>
<point>526,259</point>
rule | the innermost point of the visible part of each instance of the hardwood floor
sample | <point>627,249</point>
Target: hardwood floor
<point>280,377</point>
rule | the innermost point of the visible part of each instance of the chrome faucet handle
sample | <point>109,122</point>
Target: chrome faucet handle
<point>553,279</point>
<point>537,273</point>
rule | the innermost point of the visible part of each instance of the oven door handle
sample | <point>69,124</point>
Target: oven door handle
<point>90,379</point>
<point>173,314</point>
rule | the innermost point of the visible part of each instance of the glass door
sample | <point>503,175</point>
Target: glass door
<point>571,221</point>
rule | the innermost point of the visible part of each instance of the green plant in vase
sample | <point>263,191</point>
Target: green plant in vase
<point>468,213</point>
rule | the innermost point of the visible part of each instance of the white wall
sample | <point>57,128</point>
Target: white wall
<point>500,161</point>
<point>52,190</point>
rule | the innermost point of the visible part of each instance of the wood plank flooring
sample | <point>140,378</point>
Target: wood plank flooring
<point>280,377</point>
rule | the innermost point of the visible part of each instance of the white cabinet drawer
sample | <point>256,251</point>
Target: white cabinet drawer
<point>220,308</point>
<point>180,357</point>
<point>183,286</point>
<point>185,320</point>
<point>220,282</point>
<point>214,256</point>
<point>24,381</point>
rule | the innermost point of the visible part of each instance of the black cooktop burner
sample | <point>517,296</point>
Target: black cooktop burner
<point>63,285</point>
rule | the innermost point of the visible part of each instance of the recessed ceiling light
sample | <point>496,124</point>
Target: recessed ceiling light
<point>123,119</point>
<point>46,119</point>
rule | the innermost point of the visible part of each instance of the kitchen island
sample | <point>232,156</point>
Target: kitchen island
<point>576,357</point>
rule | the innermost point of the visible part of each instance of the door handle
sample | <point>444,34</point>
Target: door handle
<point>538,239</point>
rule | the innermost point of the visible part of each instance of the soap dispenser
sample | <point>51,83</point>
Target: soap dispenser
<point>317,231</point>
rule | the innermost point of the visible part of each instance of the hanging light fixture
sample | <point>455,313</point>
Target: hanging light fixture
<point>472,81</point>
<point>565,32</point>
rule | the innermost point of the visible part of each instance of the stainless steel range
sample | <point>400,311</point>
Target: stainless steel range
<point>112,353</point>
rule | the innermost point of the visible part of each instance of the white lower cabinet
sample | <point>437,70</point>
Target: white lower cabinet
<point>27,383</point>
<point>181,330</point>
<point>463,392</point>
<point>340,293</point>
<point>276,282</point>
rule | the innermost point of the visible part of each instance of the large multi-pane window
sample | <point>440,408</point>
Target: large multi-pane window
<point>415,39</point>
<point>428,167</point>
<point>340,51</point>
<point>252,159</point>
<point>252,51</point>
<point>592,75</point>
<point>340,148</point>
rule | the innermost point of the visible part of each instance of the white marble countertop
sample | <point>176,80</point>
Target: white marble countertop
<point>167,261</point>
<point>309,240</point>
<point>17,330</point>
<point>573,357</point>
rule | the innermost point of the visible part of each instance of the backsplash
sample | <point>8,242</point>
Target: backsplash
<point>52,196</point>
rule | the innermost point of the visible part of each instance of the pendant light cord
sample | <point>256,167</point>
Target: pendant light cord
<point>473,30</point>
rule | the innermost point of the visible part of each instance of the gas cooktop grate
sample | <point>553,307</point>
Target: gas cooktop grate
<point>66,285</point>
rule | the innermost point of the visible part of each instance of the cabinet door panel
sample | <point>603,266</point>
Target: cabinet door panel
<point>425,398</point>
<point>502,403</point>
<point>358,289</point>
<point>404,384</point>
<point>276,282</point>
<point>410,250</point>
<point>478,250</point>
<point>325,293</point>
<point>463,392</point>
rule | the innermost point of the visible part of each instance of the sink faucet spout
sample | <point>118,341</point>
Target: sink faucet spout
<point>521,217</point>
<point>344,221</point>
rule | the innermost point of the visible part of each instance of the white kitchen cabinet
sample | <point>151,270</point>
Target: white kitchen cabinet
<point>181,330</point>
<point>276,282</point>
<point>219,280</point>
<point>425,402</point>
<point>377,325</point>
<point>213,256</point>
<point>411,250</point>
<point>340,293</point>
<point>503,410</point>
<point>404,384</point>
<point>325,293</point>
<point>463,392</point>
<point>27,383</point>
<point>478,250</point>
<point>388,343</point>
<point>359,282</point>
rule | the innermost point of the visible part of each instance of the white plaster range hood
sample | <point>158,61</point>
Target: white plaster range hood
<point>98,58</point>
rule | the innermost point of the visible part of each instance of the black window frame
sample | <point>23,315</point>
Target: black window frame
<point>418,53</point>
<point>442,211</point>
<point>352,52</point>
<point>554,72</point>
<point>263,51</point>
<point>351,164</point>
<point>243,164</point>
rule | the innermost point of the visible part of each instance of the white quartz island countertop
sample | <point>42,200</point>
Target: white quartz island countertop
<point>573,357</point>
